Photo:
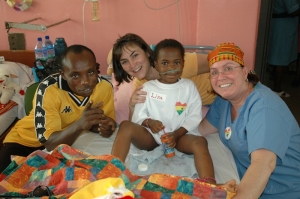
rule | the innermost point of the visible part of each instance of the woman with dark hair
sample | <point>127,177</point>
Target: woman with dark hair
<point>163,116</point>
<point>133,57</point>
<point>256,125</point>
<point>137,49</point>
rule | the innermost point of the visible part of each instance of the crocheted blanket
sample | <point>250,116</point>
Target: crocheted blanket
<point>67,170</point>
<point>6,107</point>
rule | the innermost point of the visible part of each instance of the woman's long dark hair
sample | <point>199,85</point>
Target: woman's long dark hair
<point>128,39</point>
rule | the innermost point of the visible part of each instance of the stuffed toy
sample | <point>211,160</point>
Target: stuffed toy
<point>7,86</point>
<point>111,188</point>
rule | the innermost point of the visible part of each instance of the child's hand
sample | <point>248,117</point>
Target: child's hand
<point>155,126</point>
<point>173,139</point>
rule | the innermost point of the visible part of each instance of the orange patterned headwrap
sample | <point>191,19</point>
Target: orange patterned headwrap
<point>226,51</point>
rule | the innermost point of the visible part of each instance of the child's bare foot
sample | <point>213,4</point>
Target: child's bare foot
<point>230,186</point>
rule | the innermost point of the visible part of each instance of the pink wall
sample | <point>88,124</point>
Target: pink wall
<point>193,22</point>
<point>229,20</point>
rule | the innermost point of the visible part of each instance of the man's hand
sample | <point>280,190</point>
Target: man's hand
<point>97,121</point>
<point>91,116</point>
<point>107,126</point>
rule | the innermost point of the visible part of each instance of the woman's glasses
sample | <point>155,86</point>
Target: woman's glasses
<point>227,71</point>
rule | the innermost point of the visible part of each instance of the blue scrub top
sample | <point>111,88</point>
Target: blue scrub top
<point>263,122</point>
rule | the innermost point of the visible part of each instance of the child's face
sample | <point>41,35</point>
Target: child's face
<point>169,64</point>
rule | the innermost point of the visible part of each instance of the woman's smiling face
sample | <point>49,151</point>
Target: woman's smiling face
<point>228,78</point>
<point>135,61</point>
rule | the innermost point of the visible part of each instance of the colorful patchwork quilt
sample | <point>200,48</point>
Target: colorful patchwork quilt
<point>67,170</point>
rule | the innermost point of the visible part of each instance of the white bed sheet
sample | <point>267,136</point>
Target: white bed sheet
<point>224,165</point>
<point>94,144</point>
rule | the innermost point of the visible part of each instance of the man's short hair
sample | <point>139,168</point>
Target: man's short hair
<point>76,48</point>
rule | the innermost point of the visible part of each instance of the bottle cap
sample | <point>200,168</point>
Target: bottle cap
<point>60,39</point>
<point>39,38</point>
<point>46,37</point>
<point>143,167</point>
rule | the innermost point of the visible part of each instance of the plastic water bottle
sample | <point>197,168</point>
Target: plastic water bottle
<point>38,50</point>
<point>59,46</point>
<point>48,49</point>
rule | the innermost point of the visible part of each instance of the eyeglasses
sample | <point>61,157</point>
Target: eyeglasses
<point>227,71</point>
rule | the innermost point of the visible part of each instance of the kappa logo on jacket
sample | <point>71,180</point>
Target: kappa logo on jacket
<point>67,110</point>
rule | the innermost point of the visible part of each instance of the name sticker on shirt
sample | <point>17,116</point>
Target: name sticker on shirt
<point>158,96</point>
<point>227,133</point>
